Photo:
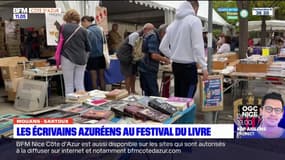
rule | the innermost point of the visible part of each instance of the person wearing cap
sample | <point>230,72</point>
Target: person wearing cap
<point>148,66</point>
<point>129,67</point>
<point>183,44</point>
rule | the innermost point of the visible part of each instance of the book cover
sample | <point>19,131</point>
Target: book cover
<point>119,110</point>
<point>77,119</point>
<point>153,115</point>
<point>98,102</point>
<point>6,123</point>
<point>180,106</point>
<point>98,114</point>
<point>189,101</point>
<point>109,105</point>
<point>75,96</point>
<point>162,106</point>
<point>76,108</point>
<point>133,110</point>
<point>144,100</point>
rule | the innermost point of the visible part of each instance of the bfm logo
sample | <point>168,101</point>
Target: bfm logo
<point>20,13</point>
<point>20,10</point>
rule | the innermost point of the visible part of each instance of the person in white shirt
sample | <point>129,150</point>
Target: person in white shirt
<point>225,47</point>
<point>183,44</point>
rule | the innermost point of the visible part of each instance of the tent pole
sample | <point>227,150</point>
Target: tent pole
<point>209,116</point>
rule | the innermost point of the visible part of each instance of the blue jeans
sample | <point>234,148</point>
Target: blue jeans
<point>149,84</point>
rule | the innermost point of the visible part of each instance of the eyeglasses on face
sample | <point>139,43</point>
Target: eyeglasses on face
<point>270,109</point>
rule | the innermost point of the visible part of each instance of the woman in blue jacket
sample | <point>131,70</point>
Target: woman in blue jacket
<point>96,61</point>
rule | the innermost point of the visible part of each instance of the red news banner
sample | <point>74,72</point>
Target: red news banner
<point>42,121</point>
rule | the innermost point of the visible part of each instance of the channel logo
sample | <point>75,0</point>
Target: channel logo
<point>20,13</point>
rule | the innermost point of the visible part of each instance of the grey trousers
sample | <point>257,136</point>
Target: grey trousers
<point>73,75</point>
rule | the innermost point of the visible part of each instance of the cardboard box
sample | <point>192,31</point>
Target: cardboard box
<point>40,63</point>
<point>256,68</point>
<point>11,95</point>
<point>12,72</point>
<point>12,85</point>
<point>48,53</point>
<point>219,64</point>
<point>232,57</point>
<point>14,53</point>
<point>13,49</point>
<point>11,61</point>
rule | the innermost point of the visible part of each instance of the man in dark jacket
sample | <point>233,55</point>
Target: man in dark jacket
<point>148,66</point>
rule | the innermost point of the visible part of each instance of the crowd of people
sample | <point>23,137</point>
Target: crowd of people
<point>180,43</point>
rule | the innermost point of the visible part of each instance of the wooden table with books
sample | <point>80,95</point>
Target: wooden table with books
<point>115,107</point>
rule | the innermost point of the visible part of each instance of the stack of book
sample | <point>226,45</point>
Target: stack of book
<point>117,94</point>
<point>162,106</point>
<point>6,123</point>
<point>276,69</point>
<point>95,101</point>
<point>97,93</point>
<point>180,103</point>
<point>76,98</point>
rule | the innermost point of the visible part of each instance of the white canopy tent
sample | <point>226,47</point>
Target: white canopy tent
<point>88,8</point>
<point>202,12</point>
<point>83,7</point>
<point>271,25</point>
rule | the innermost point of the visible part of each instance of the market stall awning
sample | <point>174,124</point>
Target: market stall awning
<point>271,25</point>
<point>136,12</point>
<point>202,12</point>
